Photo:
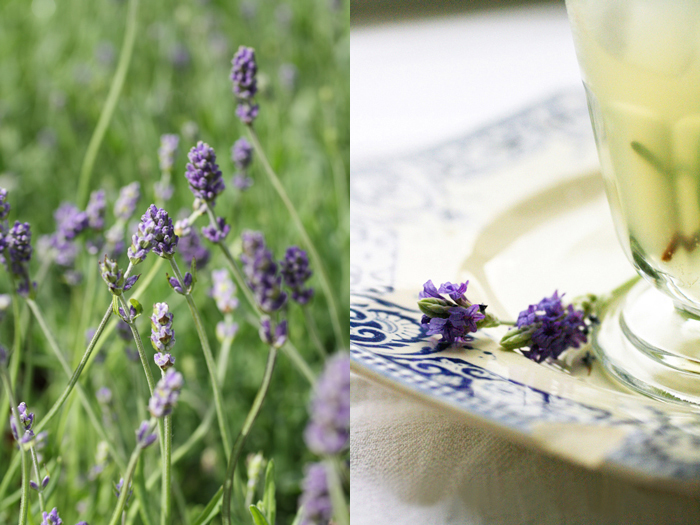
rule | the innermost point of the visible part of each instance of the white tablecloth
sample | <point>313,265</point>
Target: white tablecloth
<point>414,85</point>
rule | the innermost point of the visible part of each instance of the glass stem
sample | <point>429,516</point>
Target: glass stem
<point>245,430</point>
<point>316,259</point>
<point>209,359</point>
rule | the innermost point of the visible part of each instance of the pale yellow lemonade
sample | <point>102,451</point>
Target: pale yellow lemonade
<point>641,68</point>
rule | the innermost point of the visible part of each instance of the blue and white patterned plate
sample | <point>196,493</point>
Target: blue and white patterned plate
<point>518,210</point>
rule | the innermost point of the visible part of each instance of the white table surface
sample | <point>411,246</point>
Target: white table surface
<point>413,85</point>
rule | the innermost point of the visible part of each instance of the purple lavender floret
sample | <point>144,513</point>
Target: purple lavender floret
<point>455,328</point>
<point>247,112</point>
<point>182,288</point>
<point>167,151</point>
<point>276,337</point>
<point>4,205</point>
<point>155,232</point>
<point>22,429</point>
<point>19,248</point>
<point>261,273</point>
<point>243,73</point>
<point>118,490</point>
<point>242,154</point>
<point>114,277</point>
<point>203,173</point>
<point>165,394</point>
<point>547,329</point>
<point>162,333</point>
<point>453,317</point>
<point>315,500</point>
<point>126,203</point>
<point>95,211</point>
<point>218,233</point>
<point>295,271</point>
<point>190,247</point>
<point>224,330</point>
<point>51,518</point>
<point>328,431</point>
<point>144,437</point>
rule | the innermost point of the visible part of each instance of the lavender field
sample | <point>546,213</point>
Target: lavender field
<point>175,262</point>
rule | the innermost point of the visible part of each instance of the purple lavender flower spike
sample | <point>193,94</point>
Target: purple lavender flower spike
<point>51,518</point>
<point>224,291</point>
<point>242,154</point>
<point>279,337</point>
<point>295,271</point>
<point>126,203</point>
<point>242,182</point>
<point>315,500</point>
<point>165,394</point>
<point>247,113</point>
<point>145,435</point>
<point>328,431</point>
<point>167,151</point>
<point>226,330</point>
<point>162,333</point>
<point>260,270</point>
<point>191,247</point>
<point>70,221</point>
<point>243,73</point>
<point>203,173</point>
<point>547,329</point>
<point>4,205</point>
<point>95,211</point>
<point>155,232</point>
<point>19,247</point>
<point>218,233</point>
<point>22,429</point>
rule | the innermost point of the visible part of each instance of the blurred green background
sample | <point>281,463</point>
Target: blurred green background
<point>57,60</point>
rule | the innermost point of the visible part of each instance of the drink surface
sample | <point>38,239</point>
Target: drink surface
<point>641,67</point>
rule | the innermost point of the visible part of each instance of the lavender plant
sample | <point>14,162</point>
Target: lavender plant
<point>85,286</point>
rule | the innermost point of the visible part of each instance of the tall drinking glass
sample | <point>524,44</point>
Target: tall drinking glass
<point>640,62</point>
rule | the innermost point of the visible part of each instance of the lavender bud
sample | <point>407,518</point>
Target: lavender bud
<point>164,361</point>
<point>126,203</point>
<point>242,154</point>
<point>280,333</point>
<point>243,73</point>
<point>145,435</point>
<point>51,518</point>
<point>165,394</point>
<point>203,174</point>
<point>4,204</point>
<point>181,288</point>
<point>33,485</point>
<point>224,291</point>
<point>242,182</point>
<point>247,113</point>
<point>216,233</point>
<point>95,211</point>
<point>162,333</point>
<point>45,481</point>
<point>328,431</point>
<point>295,271</point>
<point>167,151</point>
<point>226,330</point>
<point>315,499</point>
<point>112,275</point>
<point>118,490</point>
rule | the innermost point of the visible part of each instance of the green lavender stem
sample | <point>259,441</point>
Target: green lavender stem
<point>24,505</point>
<point>166,493</point>
<point>121,502</point>
<point>318,263</point>
<point>16,353</point>
<point>209,359</point>
<point>245,430</point>
<point>341,514</point>
<point>139,346</point>
<point>111,102</point>
<point>35,462</point>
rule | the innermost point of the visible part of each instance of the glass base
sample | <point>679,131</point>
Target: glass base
<point>651,346</point>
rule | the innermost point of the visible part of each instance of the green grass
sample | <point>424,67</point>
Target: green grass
<point>52,90</point>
